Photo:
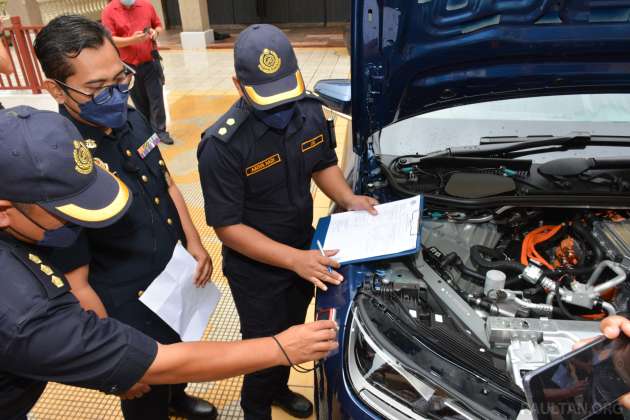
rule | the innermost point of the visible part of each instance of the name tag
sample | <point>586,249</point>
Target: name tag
<point>148,145</point>
<point>312,143</point>
<point>263,164</point>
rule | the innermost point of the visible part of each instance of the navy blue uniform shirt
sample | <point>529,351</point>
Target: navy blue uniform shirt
<point>45,335</point>
<point>127,256</point>
<point>261,177</point>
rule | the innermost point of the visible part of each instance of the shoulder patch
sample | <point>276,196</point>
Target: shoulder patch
<point>228,124</point>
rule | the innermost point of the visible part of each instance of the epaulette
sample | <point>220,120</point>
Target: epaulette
<point>53,283</point>
<point>228,124</point>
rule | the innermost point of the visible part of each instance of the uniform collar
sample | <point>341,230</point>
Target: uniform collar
<point>297,121</point>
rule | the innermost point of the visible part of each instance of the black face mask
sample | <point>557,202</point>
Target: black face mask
<point>278,117</point>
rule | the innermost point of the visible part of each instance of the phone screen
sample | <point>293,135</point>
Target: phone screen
<point>583,383</point>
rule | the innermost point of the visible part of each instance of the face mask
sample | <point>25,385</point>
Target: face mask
<point>277,118</point>
<point>127,3</point>
<point>111,114</point>
<point>61,237</point>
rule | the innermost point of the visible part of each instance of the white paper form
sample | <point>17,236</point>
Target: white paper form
<point>174,297</point>
<point>360,236</point>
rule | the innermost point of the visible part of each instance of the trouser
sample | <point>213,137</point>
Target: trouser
<point>266,307</point>
<point>147,94</point>
<point>154,404</point>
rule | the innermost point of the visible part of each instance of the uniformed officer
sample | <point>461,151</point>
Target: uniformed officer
<point>50,188</point>
<point>109,269</point>
<point>256,164</point>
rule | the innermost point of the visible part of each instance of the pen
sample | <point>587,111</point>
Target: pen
<point>321,250</point>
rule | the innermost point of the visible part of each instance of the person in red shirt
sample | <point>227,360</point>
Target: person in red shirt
<point>135,27</point>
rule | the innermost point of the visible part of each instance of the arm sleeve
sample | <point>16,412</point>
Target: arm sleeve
<point>75,256</point>
<point>108,22</point>
<point>222,184</point>
<point>155,19</point>
<point>328,155</point>
<point>69,345</point>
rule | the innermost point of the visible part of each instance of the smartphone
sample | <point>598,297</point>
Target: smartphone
<point>326,314</point>
<point>146,30</point>
<point>581,383</point>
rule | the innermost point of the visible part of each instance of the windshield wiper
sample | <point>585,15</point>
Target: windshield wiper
<point>503,147</point>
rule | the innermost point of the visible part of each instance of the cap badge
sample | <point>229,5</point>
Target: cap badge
<point>269,62</point>
<point>90,144</point>
<point>82,158</point>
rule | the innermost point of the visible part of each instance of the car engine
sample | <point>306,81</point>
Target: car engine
<point>522,284</point>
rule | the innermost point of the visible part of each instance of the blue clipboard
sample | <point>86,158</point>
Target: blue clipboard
<point>322,229</point>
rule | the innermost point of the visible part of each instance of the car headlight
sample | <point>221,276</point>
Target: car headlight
<point>386,386</point>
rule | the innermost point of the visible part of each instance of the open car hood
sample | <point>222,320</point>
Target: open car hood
<point>415,56</point>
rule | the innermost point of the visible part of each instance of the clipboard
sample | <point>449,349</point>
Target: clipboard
<point>321,231</point>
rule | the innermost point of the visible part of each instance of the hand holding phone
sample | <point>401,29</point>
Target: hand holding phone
<point>581,383</point>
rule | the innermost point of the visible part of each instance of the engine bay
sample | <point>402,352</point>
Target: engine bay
<point>505,293</point>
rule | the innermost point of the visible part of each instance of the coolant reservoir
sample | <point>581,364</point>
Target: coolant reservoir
<point>495,280</point>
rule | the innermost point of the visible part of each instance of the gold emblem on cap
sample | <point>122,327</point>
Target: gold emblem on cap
<point>46,270</point>
<point>269,62</point>
<point>56,281</point>
<point>34,258</point>
<point>222,131</point>
<point>90,144</point>
<point>82,158</point>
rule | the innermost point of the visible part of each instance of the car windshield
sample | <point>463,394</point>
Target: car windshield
<point>596,114</point>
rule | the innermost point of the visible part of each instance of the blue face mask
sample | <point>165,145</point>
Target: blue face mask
<point>111,114</point>
<point>127,3</point>
<point>277,118</point>
<point>61,237</point>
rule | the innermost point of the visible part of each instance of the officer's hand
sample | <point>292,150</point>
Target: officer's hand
<point>307,342</point>
<point>312,266</point>
<point>204,269</point>
<point>612,327</point>
<point>362,202</point>
<point>136,391</point>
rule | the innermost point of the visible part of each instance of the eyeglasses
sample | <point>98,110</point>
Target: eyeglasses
<point>124,83</point>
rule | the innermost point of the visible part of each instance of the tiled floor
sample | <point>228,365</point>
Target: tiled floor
<point>199,90</point>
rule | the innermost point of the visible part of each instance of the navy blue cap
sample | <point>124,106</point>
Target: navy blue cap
<point>266,67</point>
<point>44,161</point>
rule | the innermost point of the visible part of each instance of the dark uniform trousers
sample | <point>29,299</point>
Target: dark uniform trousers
<point>267,307</point>
<point>155,404</point>
<point>260,176</point>
<point>148,96</point>
<point>124,258</point>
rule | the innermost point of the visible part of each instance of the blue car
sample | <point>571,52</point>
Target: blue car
<point>512,119</point>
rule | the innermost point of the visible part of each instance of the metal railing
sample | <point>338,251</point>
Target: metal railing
<point>19,41</point>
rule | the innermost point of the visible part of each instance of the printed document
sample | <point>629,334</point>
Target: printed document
<point>361,236</point>
<point>174,297</point>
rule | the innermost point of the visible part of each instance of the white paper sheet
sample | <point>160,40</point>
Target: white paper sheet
<point>358,235</point>
<point>174,297</point>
